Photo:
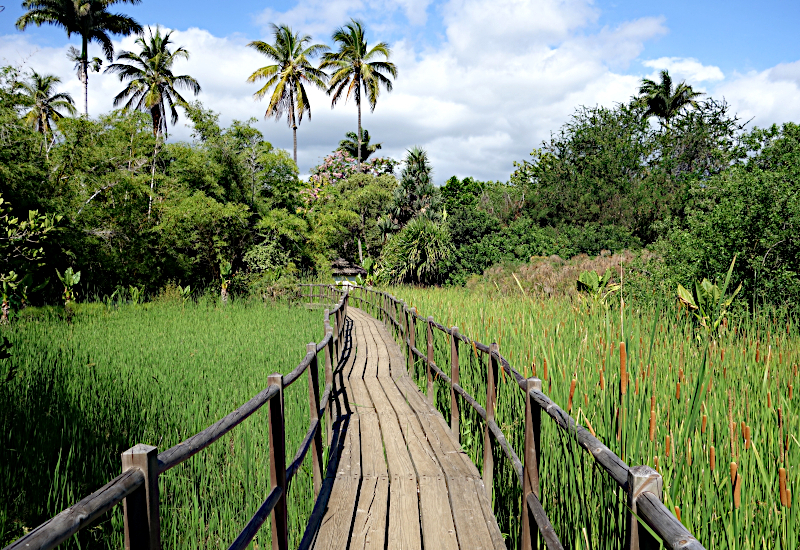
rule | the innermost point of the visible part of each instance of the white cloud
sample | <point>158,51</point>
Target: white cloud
<point>686,67</point>
<point>766,97</point>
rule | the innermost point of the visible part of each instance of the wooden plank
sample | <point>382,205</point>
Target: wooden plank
<point>371,366</point>
<point>468,518</point>
<point>488,516</point>
<point>334,533</point>
<point>369,527</point>
<point>350,460</point>
<point>382,350</point>
<point>373,462</point>
<point>404,526</point>
<point>397,457</point>
<point>438,529</point>
<point>397,363</point>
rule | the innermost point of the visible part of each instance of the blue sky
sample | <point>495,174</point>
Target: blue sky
<point>481,82</point>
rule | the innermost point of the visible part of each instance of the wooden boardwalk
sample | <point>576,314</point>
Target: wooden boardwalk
<point>402,481</point>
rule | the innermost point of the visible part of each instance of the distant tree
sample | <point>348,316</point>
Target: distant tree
<point>44,103</point>
<point>292,55</point>
<point>664,101</point>
<point>350,145</point>
<point>355,68</point>
<point>88,18</point>
<point>151,84</point>
<point>416,195</point>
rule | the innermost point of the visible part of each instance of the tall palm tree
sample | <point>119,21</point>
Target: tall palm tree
<point>662,100</point>
<point>355,67</point>
<point>286,79</point>
<point>39,95</point>
<point>151,84</point>
<point>350,145</point>
<point>88,18</point>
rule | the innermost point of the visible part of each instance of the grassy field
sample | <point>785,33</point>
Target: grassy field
<point>748,389</point>
<point>76,394</point>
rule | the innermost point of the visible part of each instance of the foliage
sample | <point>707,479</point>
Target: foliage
<point>665,101</point>
<point>416,195</point>
<point>356,68</point>
<point>597,287</point>
<point>350,145</point>
<point>415,254</point>
<point>152,86</point>
<point>339,166</point>
<point>709,304</point>
<point>69,280</point>
<point>286,79</point>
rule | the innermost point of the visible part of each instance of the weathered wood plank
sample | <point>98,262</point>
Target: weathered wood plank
<point>373,462</point>
<point>404,525</point>
<point>334,533</point>
<point>369,527</point>
<point>471,528</point>
<point>438,529</point>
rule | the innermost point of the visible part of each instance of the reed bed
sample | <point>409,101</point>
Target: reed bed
<point>731,476</point>
<point>83,391</point>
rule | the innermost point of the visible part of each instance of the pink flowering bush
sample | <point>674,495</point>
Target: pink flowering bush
<point>339,166</point>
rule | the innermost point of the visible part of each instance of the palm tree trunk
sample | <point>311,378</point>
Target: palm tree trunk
<point>358,153</point>
<point>294,124</point>
<point>85,73</point>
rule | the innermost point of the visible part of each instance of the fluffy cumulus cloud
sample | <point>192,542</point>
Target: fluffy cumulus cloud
<point>486,83</point>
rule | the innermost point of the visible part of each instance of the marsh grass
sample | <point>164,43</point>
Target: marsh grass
<point>89,388</point>
<point>747,390</point>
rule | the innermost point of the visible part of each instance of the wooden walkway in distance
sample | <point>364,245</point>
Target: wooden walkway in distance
<point>402,480</point>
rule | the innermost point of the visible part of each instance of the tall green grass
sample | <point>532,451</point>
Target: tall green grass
<point>83,391</point>
<point>750,367</point>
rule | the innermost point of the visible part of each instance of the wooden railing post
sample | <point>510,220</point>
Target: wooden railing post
<point>412,338</point>
<point>140,509</point>
<point>277,465</point>
<point>313,408</point>
<point>491,400</point>
<point>430,360</point>
<point>329,380</point>
<point>455,415</point>
<point>641,479</point>
<point>532,456</point>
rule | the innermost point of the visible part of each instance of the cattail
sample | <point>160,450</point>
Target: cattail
<point>746,437</point>
<point>788,498</point>
<point>680,374</point>
<point>782,484</point>
<point>655,460</point>
<point>769,400</point>
<point>652,403</point>
<point>678,391</point>
<point>790,391</point>
<point>688,452</point>
<point>545,368</point>
<point>757,350</point>
<point>703,425</point>
<point>602,381</point>
<point>737,492</point>
<point>623,368</point>
<point>586,399</point>
<point>652,425</point>
<point>712,458</point>
<point>678,513</point>
<point>734,467</point>
<point>571,394</point>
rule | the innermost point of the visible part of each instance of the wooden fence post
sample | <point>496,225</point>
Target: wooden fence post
<point>140,509</point>
<point>641,479</point>
<point>491,400</point>
<point>430,360</point>
<point>532,456</point>
<point>329,380</point>
<point>412,335</point>
<point>455,415</point>
<point>277,465</point>
<point>313,407</point>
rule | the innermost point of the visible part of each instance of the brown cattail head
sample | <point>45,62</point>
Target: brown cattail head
<point>545,368</point>
<point>602,381</point>
<point>680,375</point>
<point>790,391</point>
<point>652,425</point>
<point>623,368</point>
<point>737,492</point>
<point>678,513</point>
<point>757,350</point>
<point>712,458</point>
<point>571,394</point>
<point>703,425</point>
<point>655,461</point>
<point>734,467</point>
<point>747,437</point>
<point>782,485</point>
<point>652,403</point>
<point>678,391</point>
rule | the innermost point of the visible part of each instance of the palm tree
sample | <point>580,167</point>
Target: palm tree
<point>356,68</point>
<point>350,145</point>
<point>88,18</point>
<point>286,78</point>
<point>152,85</point>
<point>39,95</point>
<point>662,100</point>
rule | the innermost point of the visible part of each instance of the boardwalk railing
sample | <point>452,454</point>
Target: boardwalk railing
<point>137,486</point>
<point>641,484</point>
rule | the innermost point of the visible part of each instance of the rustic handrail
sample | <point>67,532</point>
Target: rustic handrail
<point>645,503</point>
<point>137,486</point>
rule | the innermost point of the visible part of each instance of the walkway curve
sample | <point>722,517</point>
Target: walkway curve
<point>402,480</point>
